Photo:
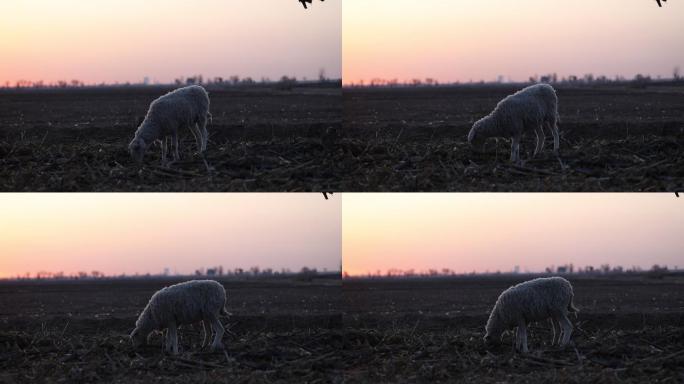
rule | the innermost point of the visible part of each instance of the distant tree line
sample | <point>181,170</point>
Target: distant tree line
<point>305,273</point>
<point>567,269</point>
<point>285,82</point>
<point>638,81</point>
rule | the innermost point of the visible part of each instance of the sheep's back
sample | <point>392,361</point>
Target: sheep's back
<point>190,101</point>
<point>516,112</point>
<point>537,299</point>
<point>546,98</point>
<point>189,302</point>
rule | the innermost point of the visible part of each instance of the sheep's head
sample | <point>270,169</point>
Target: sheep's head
<point>144,327</point>
<point>137,149</point>
<point>141,334</point>
<point>138,338</point>
<point>494,330</point>
<point>476,138</point>
<point>493,339</point>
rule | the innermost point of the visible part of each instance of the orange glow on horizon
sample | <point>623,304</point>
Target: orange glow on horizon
<point>127,40</point>
<point>481,40</point>
<point>145,233</point>
<point>489,232</point>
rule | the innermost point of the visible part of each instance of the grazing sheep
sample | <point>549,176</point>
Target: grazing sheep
<point>534,300</point>
<point>184,107</point>
<point>184,303</point>
<point>530,109</point>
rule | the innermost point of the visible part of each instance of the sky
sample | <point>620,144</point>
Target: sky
<point>459,40</point>
<point>145,233</point>
<point>488,231</point>
<point>127,40</point>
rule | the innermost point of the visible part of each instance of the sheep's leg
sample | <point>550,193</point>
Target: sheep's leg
<point>517,339</point>
<point>169,148</point>
<point>216,345</point>
<point>539,132</point>
<point>202,127</point>
<point>522,330</point>
<point>515,149</point>
<point>165,150</point>
<point>523,336</point>
<point>172,339</point>
<point>556,137</point>
<point>203,139</point>
<point>207,329</point>
<point>176,154</point>
<point>567,329</point>
<point>513,158</point>
<point>556,331</point>
<point>195,134</point>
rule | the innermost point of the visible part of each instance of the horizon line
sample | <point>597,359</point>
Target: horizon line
<point>546,78</point>
<point>218,271</point>
<point>568,268</point>
<point>226,81</point>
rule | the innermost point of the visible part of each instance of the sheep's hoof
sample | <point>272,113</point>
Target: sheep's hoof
<point>217,347</point>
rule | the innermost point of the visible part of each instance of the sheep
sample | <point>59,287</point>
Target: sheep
<point>534,300</point>
<point>183,107</point>
<point>530,109</point>
<point>184,303</point>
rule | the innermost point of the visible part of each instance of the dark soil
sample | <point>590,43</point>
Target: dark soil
<point>415,139</point>
<point>261,139</point>
<point>628,330</point>
<point>279,330</point>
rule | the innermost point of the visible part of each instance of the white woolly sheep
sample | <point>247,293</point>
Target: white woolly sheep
<point>530,109</point>
<point>533,300</point>
<point>184,107</point>
<point>185,303</point>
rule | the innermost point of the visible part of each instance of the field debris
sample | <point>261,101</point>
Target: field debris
<point>432,331</point>
<point>278,332</point>
<point>415,140</point>
<point>259,140</point>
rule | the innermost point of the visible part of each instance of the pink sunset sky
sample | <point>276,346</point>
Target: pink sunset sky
<point>128,40</point>
<point>459,40</point>
<point>488,231</point>
<point>145,233</point>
